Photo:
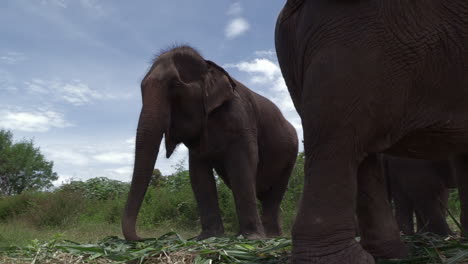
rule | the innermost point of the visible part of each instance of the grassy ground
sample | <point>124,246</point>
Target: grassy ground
<point>21,233</point>
<point>99,243</point>
<point>174,248</point>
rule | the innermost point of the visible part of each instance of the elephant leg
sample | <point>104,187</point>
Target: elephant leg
<point>270,213</point>
<point>241,169</point>
<point>432,217</point>
<point>204,187</point>
<point>324,230</point>
<point>380,235</point>
<point>403,212</point>
<point>271,201</point>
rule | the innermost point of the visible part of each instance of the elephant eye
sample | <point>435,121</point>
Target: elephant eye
<point>177,84</point>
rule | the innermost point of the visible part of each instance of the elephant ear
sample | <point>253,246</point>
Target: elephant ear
<point>190,69</point>
<point>219,87</point>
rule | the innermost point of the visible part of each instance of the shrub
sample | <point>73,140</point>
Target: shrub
<point>11,206</point>
<point>164,204</point>
<point>55,209</point>
<point>100,188</point>
<point>228,207</point>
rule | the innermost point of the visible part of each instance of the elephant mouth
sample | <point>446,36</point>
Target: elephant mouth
<point>171,143</point>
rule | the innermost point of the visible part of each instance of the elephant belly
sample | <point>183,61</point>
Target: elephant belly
<point>432,144</point>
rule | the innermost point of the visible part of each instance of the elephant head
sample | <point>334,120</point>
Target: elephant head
<point>179,92</point>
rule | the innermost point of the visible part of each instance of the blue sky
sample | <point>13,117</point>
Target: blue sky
<point>70,70</point>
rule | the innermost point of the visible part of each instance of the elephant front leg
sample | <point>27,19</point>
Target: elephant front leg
<point>241,168</point>
<point>380,235</point>
<point>324,231</point>
<point>204,187</point>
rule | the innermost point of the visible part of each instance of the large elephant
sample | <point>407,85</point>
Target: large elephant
<point>226,127</point>
<point>420,187</point>
<point>369,77</point>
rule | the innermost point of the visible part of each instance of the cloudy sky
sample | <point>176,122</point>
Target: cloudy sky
<point>70,70</point>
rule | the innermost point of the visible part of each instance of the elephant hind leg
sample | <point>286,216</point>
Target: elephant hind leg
<point>380,235</point>
<point>432,217</point>
<point>271,201</point>
<point>270,214</point>
<point>404,211</point>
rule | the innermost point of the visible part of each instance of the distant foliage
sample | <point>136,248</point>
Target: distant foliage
<point>293,194</point>
<point>22,166</point>
<point>179,178</point>
<point>156,178</point>
<point>169,201</point>
<point>100,188</point>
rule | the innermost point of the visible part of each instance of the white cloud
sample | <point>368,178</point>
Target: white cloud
<point>32,121</point>
<point>235,9</point>
<point>131,142</point>
<point>67,156</point>
<point>121,173</point>
<point>94,6</point>
<point>59,3</point>
<point>123,170</point>
<point>75,92</point>
<point>236,27</point>
<point>271,54</point>
<point>267,73</point>
<point>62,179</point>
<point>262,70</point>
<point>264,74</point>
<point>115,157</point>
<point>7,81</point>
<point>12,57</point>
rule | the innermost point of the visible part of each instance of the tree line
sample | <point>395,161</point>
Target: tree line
<point>23,166</point>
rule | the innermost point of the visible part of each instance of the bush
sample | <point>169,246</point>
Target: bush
<point>228,207</point>
<point>56,209</point>
<point>164,204</point>
<point>454,203</point>
<point>12,206</point>
<point>293,194</point>
<point>103,211</point>
<point>98,188</point>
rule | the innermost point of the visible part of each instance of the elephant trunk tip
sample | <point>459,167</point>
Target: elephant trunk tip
<point>131,235</point>
<point>129,230</point>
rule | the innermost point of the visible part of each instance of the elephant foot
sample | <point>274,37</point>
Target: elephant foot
<point>252,235</point>
<point>208,234</point>
<point>394,249</point>
<point>271,234</point>
<point>353,254</point>
<point>272,230</point>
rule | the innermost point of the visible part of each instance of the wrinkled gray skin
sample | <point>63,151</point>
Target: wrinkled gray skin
<point>420,187</point>
<point>369,77</point>
<point>226,127</point>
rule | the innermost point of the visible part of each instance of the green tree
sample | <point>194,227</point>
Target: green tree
<point>179,178</point>
<point>22,166</point>
<point>157,179</point>
<point>100,188</point>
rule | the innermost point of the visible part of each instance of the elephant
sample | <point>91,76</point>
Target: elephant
<point>227,128</point>
<point>366,78</point>
<point>421,187</point>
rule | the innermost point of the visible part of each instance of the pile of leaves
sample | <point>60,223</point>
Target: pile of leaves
<point>172,248</point>
<point>169,248</point>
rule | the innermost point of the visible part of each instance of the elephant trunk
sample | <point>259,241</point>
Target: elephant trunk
<point>151,127</point>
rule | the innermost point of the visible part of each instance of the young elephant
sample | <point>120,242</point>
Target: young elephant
<point>420,187</point>
<point>226,127</point>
